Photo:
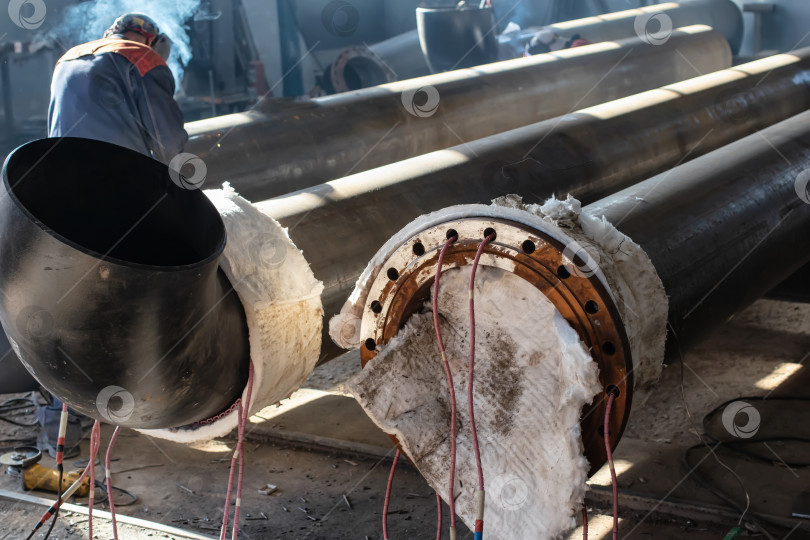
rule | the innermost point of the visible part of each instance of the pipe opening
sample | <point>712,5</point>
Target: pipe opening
<point>361,72</point>
<point>113,202</point>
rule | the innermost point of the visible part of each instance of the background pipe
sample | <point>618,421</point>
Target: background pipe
<point>264,154</point>
<point>454,38</point>
<point>15,377</point>
<point>361,66</point>
<point>590,154</point>
<point>113,298</point>
<point>723,229</point>
<point>654,21</point>
<point>402,58</point>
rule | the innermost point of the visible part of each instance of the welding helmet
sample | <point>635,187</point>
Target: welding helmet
<point>135,22</point>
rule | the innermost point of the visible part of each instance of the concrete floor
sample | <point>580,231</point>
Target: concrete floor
<point>319,446</point>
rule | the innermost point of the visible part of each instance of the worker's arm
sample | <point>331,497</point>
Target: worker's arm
<point>161,115</point>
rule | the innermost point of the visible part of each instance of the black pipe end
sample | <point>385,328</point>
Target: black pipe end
<point>91,194</point>
<point>113,298</point>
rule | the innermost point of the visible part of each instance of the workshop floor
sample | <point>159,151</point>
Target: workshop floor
<point>319,446</point>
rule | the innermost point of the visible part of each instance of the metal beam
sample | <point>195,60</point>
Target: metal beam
<point>101,514</point>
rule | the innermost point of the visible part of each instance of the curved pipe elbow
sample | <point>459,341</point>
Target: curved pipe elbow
<point>112,294</point>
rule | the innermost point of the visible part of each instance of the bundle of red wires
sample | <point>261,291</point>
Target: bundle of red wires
<point>479,522</point>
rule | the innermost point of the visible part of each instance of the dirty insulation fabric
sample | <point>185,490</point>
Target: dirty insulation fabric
<point>282,302</point>
<point>532,373</point>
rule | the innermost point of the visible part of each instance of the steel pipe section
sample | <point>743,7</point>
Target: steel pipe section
<point>720,232</point>
<point>265,154</point>
<point>724,229</point>
<point>363,66</point>
<point>402,55</point>
<point>590,154</point>
<point>113,298</point>
<point>453,37</point>
<point>654,23</point>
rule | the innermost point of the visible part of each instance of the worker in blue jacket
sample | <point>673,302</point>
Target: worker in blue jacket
<point>116,89</point>
<point>119,89</point>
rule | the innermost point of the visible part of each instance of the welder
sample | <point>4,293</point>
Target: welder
<point>119,89</point>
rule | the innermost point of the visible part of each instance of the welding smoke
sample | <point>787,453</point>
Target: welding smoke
<point>87,22</point>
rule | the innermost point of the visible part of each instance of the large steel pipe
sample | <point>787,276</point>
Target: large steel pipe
<point>401,56</point>
<point>589,154</point>
<point>711,237</point>
<point>265,154</point>
<point>362,66</point>
<point>655,22</point>
<point>113,298</point>
<point>724,229</point>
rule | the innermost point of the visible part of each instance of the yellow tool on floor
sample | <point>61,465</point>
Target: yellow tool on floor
<point>23,463</point>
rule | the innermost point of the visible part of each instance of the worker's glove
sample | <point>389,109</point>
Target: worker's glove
<point>163,46</point>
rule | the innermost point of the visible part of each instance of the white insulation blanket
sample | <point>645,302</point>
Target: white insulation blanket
<point>282,302</point>
<point>533,375</point>
<point>527,402</point>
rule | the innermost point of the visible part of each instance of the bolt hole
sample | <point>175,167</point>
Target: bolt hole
<point>418,249</point>
<point>608,348</point>
<point>393,275</point>
<point>563,273</point>
<point>370,344</point>
<point>591,307</point>
<point>612,390</point>
<point>376,307</point>
<point>601,431</point>
<point>528,247</point>
<point>451,233</point>
<point>490,231</point>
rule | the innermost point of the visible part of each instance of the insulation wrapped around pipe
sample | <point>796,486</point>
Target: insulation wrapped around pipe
<point>265,154</point>
<point>124,300</point>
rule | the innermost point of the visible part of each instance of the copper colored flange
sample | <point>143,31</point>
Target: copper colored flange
<point>578,292</point>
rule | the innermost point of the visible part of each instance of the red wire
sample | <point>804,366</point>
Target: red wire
<point>227,512</point>
<point>476,449</point>
<point>52,510</point>
<point>238,453</point>
<point>450,499</point>
<point>109,480</point>
<point>388,495</point>
<point>242,415</point>
<point>439,526</point>
<point>584,522</point>
<point>479,526</point>
<point>95,442</point>
<point>608,407</point>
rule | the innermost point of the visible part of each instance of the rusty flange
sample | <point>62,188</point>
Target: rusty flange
<point>363,60</point>
<point>403,285</point>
